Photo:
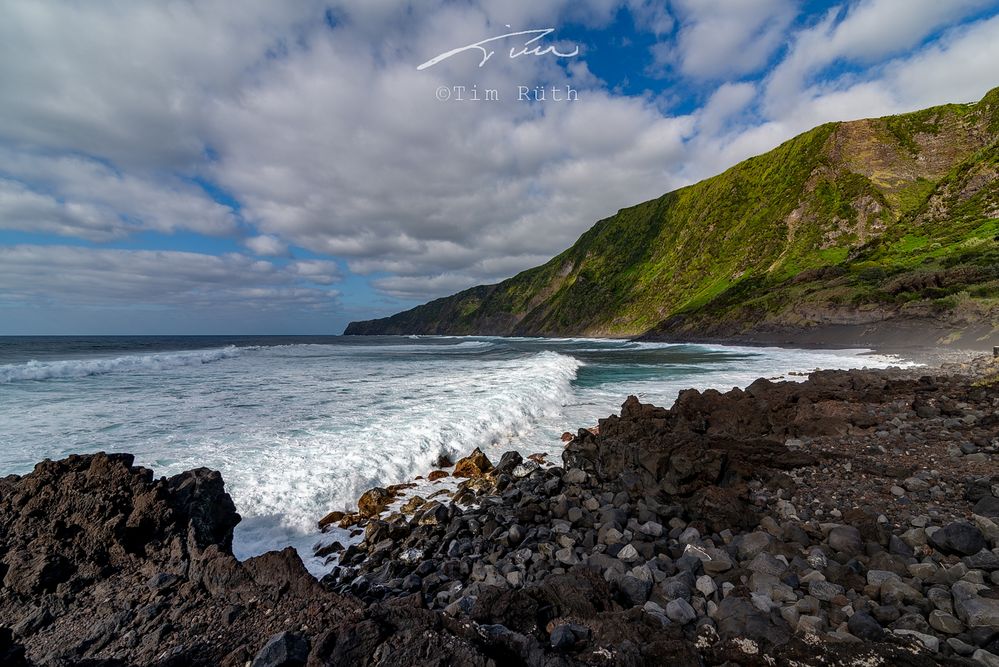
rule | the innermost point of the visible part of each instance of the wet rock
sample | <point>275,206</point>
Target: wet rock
<point>929,641</point>
<point>331,518</point>
<point>475,464</point>
<point>525,469</point>
<point>737,618</point>
<point>634,590</point>
<point>373,502</point>
<point>566,636</point>
<point>824,590</point>
<point>986,658</point>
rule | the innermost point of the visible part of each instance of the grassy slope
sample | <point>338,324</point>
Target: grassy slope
<point>866,219</point>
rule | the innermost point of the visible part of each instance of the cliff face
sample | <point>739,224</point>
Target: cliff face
<point>849,223</point>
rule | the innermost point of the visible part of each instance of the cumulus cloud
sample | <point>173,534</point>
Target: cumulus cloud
<point>97,201</point>
<point>24,209</point>
<point>320,272</point>
<point>267,246</point>
<point>313,117</point>
<point>719,38</point>
<point>446,184</point>
<point>131,81</point>
<point>865,32</point>
<point>142,278</point>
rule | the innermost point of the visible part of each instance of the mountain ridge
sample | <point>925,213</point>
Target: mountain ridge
<point>850,223</point>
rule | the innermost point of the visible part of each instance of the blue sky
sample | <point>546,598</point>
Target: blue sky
<point>169,167</point>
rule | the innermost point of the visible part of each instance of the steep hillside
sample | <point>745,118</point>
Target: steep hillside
<point>887,219</point>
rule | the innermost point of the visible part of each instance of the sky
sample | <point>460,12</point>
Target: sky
<point>175,167</point>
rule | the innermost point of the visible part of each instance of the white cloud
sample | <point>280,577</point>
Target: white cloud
<point>727,101</point>
<point>320,272</point>
<point>331,140</point>
<point>651,15</point>
<point>443,185</point>
<point>67,275</point>
<point>719,38</point>
<point>267,246</point>
<point>100,202</point>
<point>870,30</point>
<point>26,210</point>
<point>130,81</point>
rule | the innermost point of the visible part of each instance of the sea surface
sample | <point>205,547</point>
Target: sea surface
<point>300,426</point>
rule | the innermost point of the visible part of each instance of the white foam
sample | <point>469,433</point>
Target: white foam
<point>495,406</point>
<point>300,430</point>
<point>76,368</point>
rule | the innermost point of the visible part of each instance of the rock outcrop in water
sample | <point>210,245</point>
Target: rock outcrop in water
<point>850,519</point>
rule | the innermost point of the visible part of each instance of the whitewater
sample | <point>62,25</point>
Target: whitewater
<point>299,427</point>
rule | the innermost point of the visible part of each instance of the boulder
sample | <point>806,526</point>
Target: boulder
<point>864,626</point>
<point>475,464</point>
<point>847,540</point>
<point>283,650</point>
<point>373,501</point>
<point>973,609</point>
<point>960,537</point>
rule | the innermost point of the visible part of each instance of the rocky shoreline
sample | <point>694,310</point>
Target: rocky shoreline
<point>848,519</point>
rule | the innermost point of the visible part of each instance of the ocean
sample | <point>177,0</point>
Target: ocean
<point>300,426</point>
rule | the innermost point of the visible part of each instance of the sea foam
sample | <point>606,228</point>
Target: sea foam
<point>77,368</point>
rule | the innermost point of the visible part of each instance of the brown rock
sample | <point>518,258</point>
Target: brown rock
<point>475,464</point>
<point>331,518</point>
<point>436,475</point>
<point>413,504</point>
<point>373,501</point>
<point>351,519</point>
<point>566,437</point>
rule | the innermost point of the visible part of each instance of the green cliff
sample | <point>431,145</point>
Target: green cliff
<point>888,219</point>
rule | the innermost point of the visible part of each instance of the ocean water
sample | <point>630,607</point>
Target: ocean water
<point>301,426</point>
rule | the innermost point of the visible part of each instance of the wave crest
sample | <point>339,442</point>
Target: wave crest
<point>77,368</point>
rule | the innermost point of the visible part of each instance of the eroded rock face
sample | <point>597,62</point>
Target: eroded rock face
<point>701,453</point>
<point>74,521</point>
<point>103,562</point>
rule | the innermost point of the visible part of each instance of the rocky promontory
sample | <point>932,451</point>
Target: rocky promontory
<point>847,519</point>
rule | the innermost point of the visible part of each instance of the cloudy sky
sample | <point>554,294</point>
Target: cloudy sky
<point>180,167</point>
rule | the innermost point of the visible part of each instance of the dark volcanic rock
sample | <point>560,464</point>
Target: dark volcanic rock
<point>865,626</point>
<point>958,538</point>
<point>702,452</point>
<point>129,567</point>
<point>283,650</point>
<point>776,525</point>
